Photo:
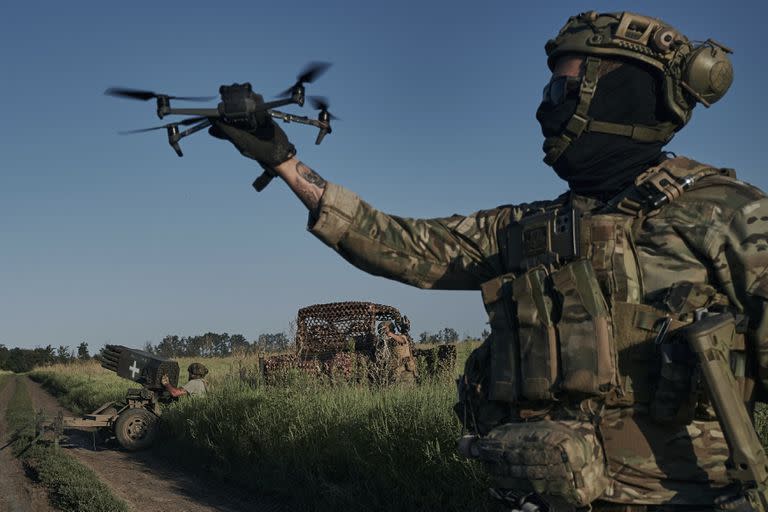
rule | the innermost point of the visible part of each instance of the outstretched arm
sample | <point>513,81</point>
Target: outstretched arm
<point>457,252</point>
<point>305,183</point>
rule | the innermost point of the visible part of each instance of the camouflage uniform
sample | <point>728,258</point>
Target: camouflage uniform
<point>715,234</point>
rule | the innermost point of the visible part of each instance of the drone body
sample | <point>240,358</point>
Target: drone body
<point>239,107</point>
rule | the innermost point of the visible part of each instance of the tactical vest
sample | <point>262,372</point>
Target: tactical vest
<point>569,321</point>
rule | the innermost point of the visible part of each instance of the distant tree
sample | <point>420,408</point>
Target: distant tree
<point>17,361</point>
<point>485,334</point>
<point>238,344</point>
<point>220,343</point>
<point>168,347</point>
<point>148,347</point>
<point>48,354</point>
<point>82,351</point>
<point>63,354</point>
<point>448,335</point>
<point>23,359</point>
<point>274,342</point>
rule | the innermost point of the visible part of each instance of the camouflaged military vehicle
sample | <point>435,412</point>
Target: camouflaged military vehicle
<point>351,341</point>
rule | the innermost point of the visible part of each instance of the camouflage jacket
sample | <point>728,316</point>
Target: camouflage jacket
<point>715,235</point>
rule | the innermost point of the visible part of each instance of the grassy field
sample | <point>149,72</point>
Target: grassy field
<point>71,486</point>
<point>316,446</point>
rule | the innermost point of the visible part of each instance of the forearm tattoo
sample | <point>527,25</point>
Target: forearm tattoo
<point>309,187</point>
<point>310,175</point>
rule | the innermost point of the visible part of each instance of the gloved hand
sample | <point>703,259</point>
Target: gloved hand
<point>164,380</point>
<point>267,144</point>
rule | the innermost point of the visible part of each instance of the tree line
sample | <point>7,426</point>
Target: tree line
<point>24,359</point>
<point>213,344</point>
<point>210,344</point>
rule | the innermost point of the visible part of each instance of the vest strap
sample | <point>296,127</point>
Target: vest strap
<point>658,186</point>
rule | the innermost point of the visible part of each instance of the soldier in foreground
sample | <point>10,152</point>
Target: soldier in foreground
<point>196,386</point>
<point>586,393</point>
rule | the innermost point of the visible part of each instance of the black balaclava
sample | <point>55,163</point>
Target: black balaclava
<point>601,165</point>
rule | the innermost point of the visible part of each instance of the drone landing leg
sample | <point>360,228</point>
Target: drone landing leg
<point>174,135</point>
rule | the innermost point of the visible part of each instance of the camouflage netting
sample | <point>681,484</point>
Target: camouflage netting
<point>325,329</point>
<point>352,341</point>
<point>437,360</point>
<point>357,341</point>
<point>344,366</point>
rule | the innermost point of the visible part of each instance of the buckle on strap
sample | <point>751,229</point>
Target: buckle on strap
<point>652,189</point>
<point>663,182</point>
<point>576,125</point>
<point>637,132</point>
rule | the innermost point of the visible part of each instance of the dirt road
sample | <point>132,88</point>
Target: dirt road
<point>19,493</point>
<point>145,481</point>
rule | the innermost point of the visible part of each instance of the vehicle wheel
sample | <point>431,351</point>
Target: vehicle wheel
<point>136,429</point>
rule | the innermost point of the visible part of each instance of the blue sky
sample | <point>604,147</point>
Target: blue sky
<point>108,238</point>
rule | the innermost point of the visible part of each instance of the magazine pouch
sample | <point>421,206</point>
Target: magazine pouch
<point>587,353</point>
<point>536,333</point>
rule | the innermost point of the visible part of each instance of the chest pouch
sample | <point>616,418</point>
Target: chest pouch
<point>537,337</point>
<point>588,362</point>
<point>559,460</point>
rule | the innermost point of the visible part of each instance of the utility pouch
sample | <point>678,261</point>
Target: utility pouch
<point>537,336</point>
<point>587,351</point>
<point>559,459</point>
<point>503,383</point>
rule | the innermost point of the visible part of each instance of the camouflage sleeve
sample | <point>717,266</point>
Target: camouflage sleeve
<point>455,252</point>
<point>740,253</point>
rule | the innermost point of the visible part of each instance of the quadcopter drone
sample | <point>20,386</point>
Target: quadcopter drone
<point>239,107</point>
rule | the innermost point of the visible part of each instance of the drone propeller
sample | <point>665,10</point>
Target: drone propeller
<point>138,94</point>
<point>321,104</point>
<point>185,122</point>
<point>311,72</point>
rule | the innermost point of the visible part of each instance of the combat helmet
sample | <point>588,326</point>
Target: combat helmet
<point>198,370</point>
<point>690,72</point>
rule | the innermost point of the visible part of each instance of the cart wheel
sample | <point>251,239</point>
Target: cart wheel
<point>136,429</point>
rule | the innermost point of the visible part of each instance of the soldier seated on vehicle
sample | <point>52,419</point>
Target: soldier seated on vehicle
<point>196,385</point>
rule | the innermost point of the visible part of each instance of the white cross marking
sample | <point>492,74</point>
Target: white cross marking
<point>134,369</point>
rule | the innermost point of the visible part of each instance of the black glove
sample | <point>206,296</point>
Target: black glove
<point>267,143</point>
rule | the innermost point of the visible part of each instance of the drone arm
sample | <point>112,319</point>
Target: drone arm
<point>323,125</point>
<point>277,103</point>
<point>196,128</point>
<point>201,112</point>
<point>174,135</point>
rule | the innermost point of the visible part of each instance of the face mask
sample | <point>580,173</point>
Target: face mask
<point>599,164</point>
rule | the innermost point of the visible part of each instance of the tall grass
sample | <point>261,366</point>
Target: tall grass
<point>316,446</point>
<point>326,448</point>
<point>81,386</point>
